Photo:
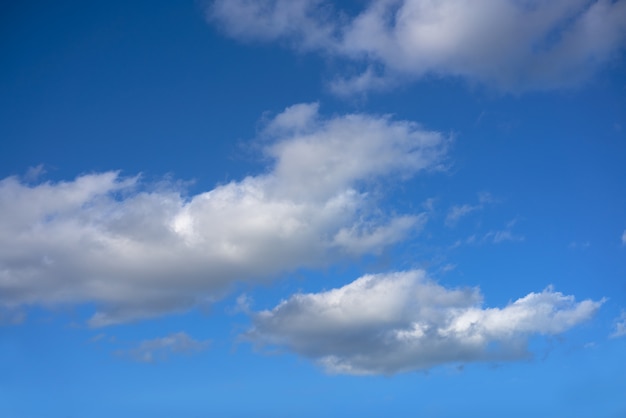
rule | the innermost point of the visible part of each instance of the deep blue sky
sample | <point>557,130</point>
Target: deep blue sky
<point>463,178</point>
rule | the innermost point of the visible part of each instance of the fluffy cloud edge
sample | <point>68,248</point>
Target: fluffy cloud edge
<point>404,321</point>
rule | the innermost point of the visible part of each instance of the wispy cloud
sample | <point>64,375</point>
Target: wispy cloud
<point>97,337</point>
<point>139,250</point>
<point>460,211</point>
<point>624,237</point>
<point>457,212</point>
<point>508,44</point>
<point>11,316</point>
<point>496,236</point>
<point>390,323</point>
<point>101,337</point>
<point>502,236</point>
<point>579,245</point>
<point>34,173</point>
<point>243,305</point>
<point>620,326</point>
<point>159,349</point>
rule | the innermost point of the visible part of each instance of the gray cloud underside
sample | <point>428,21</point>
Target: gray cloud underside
<point>398,322</point>
<point>510,44</point>
<point>139,250</point>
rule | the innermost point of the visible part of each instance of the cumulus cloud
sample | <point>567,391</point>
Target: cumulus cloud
<point>620,326</point>
<point>138,250</point>
<point>160,349</point>
<point>403,321</point>
<point>509,44</point>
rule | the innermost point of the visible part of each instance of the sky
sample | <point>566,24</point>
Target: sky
<point>309,208</point>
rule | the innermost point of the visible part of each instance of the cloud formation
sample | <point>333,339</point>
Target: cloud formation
<point>509,44</point>
<point>459,211</point>
<point>620,326</point>
<point>159,349</point>
<point>403,321</point>
<point>140,250</point>
<point>456,212</point>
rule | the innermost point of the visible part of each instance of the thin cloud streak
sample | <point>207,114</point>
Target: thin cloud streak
<point>160,349</point>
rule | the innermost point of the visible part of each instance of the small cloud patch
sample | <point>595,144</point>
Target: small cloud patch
<point>159,349</point>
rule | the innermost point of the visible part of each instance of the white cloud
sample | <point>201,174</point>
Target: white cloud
<point>624,237</point>
<point>620,326</point>
<point>390,323</point>
<point>509,44</point>
<point>138,251</point>
<point>159,349</point>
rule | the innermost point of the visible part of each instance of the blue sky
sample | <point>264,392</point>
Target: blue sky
<point>313,208</point>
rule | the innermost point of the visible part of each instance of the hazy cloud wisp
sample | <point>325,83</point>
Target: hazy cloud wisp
<point>620,326</point>
<point>159,349</point>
